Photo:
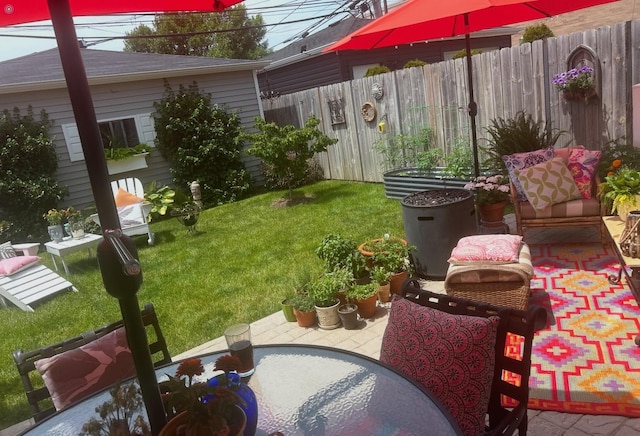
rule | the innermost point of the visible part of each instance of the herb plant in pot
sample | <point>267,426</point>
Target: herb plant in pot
<point>340,252</point>
<point>304,310</point>
<point>324,291</point>
<point>366,298</point>
<point>382,277</point>
<point>396,262</point>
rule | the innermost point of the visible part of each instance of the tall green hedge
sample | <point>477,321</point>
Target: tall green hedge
<point>28,188</point>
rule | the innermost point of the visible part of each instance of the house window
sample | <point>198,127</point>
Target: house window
<point>119,133</point>
<point>116,132</point>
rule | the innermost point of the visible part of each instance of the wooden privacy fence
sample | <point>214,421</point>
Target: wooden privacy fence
<point>505,81</point>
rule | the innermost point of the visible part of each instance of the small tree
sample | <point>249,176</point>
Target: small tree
<point>539,31</point>
<point>28,162</point>
<point>287,149</point>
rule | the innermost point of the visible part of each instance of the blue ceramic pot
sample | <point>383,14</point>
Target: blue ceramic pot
<point>250,407</point>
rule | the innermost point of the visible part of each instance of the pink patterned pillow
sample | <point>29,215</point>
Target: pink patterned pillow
<point>76,374</point>
<point>16,264</point>
<point>494,249</point>
<point>582,165</point>
<point>453,356</point>
<point>520,161</point>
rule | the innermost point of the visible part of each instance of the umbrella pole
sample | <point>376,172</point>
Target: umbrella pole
<point>112,254</point>
<point>473,107</point>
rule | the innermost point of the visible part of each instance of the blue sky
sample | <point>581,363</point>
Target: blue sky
<point>15,44</point>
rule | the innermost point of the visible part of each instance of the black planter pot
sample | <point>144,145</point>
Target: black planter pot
<point>348,314</point>
<point>434,221</point>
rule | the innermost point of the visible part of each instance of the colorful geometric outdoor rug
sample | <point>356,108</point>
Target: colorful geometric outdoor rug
<point>585,360</point>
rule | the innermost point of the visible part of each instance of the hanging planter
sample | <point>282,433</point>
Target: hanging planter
<point>580,94</point>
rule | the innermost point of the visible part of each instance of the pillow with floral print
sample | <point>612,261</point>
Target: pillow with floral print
<point>582,165</point>
<point>520,161</point>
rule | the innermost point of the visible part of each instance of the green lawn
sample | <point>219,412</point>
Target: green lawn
<point>237,268</point>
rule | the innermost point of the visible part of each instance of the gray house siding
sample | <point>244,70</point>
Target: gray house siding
<point>319,71</point>
<point>235,90</point>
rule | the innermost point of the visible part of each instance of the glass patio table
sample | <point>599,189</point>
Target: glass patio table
<point>310,390</point>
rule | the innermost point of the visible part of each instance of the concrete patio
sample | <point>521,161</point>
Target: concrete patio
<point>367,340</point>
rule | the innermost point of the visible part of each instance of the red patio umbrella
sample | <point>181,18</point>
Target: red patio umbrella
<point>120,269</point>
<point>422,20</point>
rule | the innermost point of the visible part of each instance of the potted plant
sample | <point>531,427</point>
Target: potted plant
<point>366,298</point>
<point>287,306</point>
<point>54,218</point>
<point>576,84</point>
<point>491,196</point>
<point>304,310</point>
<point>621,190</point>
<point>324,291</point>
<point>201,407</point>
<point>382,277</point>
<point>393,257</point>
<point>340,252</point>
<point>75,220</point>
<point>348,313</point>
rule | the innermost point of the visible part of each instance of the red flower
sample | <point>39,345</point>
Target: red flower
<point>190,368</point>
<point>227,363</point>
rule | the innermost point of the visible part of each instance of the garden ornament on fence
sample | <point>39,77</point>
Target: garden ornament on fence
<point>413,22</point>
<point>115,252</point>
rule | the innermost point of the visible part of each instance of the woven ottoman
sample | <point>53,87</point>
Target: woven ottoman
<point>506,284</point>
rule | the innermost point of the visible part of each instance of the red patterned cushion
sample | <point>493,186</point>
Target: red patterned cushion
<point>76,374</point>
<point>453,356</point>
<point>582,165</point>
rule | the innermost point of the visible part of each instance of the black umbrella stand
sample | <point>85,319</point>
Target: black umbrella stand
<point>120,268</point>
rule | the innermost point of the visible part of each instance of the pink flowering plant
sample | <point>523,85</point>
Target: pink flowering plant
<point>489,189</point>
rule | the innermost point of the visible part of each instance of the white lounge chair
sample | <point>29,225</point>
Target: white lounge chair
<point>133,217</point>
<point>32,284</point>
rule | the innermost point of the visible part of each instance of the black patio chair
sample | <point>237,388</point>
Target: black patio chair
<point>503,418</point>
<point>39,397</point>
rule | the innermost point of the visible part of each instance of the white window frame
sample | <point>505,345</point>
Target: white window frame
<point>144,127</point>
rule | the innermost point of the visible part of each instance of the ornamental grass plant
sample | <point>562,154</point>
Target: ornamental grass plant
<point>238,267</point>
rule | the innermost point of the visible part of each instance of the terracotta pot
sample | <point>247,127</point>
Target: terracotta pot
<point>397,279</point>
<point>305,319</point>
<point>384,293</point>
<point>367,307</point>
<point>177,426</point>
<point>491,213</point>
<point>371,253</point>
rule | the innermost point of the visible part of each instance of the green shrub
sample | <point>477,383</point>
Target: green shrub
<point>414,63</point>
<point>402,151</point>
<point>202,142</point>
<point>538,31</point>
<point>379,69</point>
<point>463,53</point>
<point>28,188</point>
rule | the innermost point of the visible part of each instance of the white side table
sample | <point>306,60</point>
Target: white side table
<point>28,248</point>
<point>70,245</point>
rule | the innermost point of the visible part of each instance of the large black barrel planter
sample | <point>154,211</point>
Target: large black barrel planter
<point>434,221</point>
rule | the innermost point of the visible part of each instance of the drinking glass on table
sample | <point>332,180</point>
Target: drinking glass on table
<point>238,338</point>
